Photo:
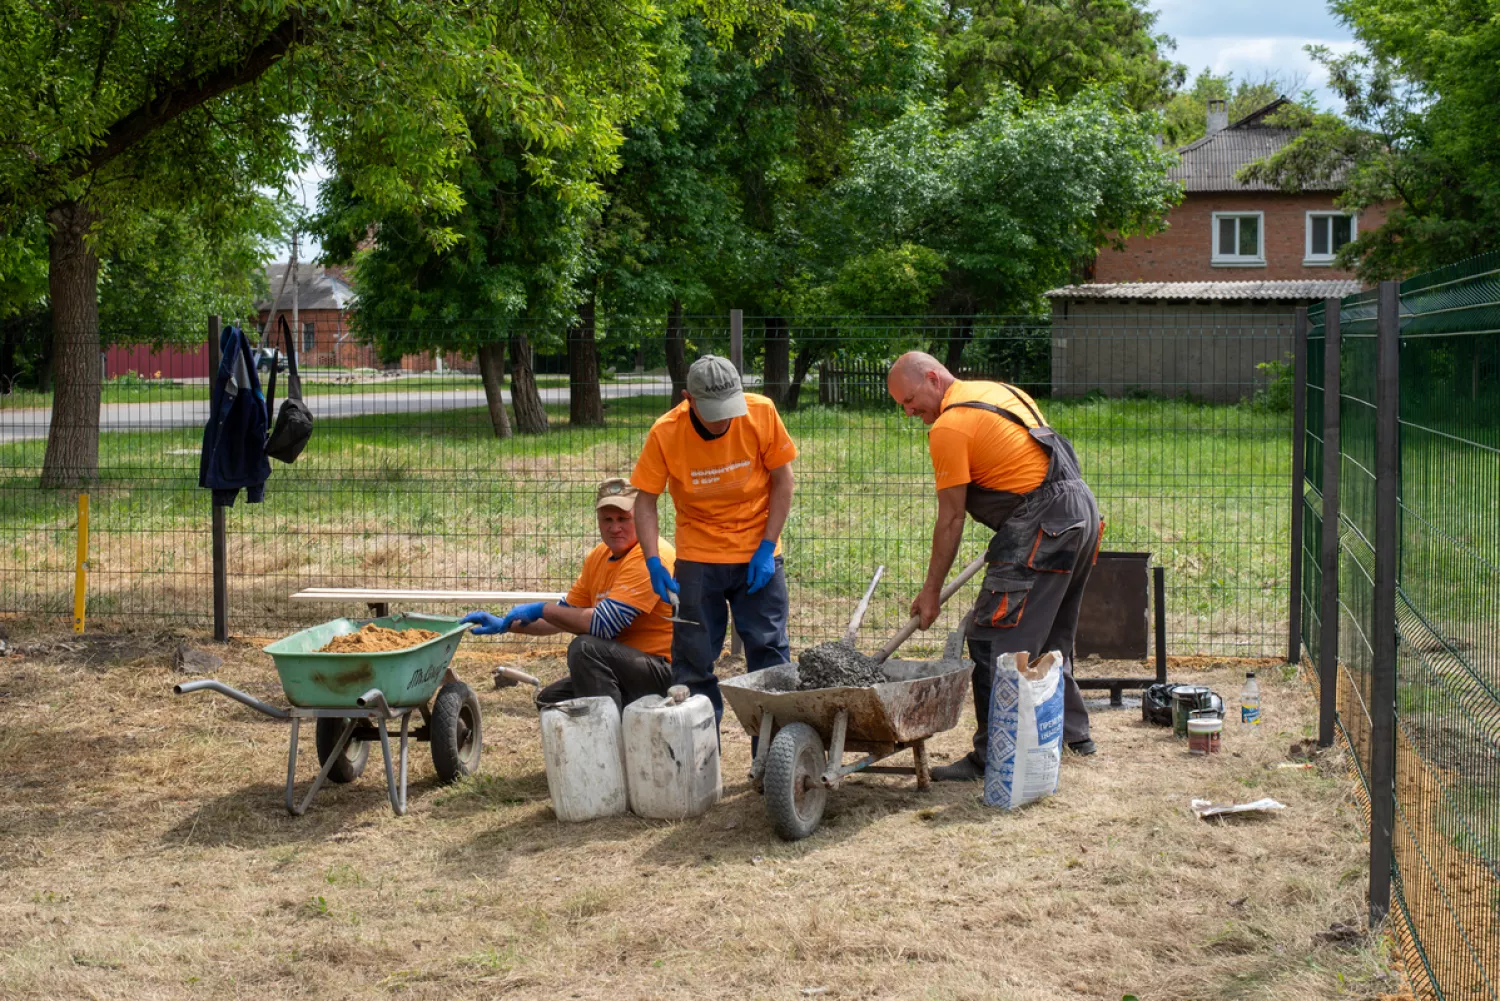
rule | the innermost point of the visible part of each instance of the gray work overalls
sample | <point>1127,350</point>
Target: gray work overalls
<point>1044,546</point>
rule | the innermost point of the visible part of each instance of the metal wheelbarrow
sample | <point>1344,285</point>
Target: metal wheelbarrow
<point>803,736</point>
<point>351,696</point>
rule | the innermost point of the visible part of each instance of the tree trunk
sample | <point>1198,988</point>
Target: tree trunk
<point>72,457</point>
<point>777,371</point>
<point>492,372</point>
<point>585,407</point>
<point>530,417</point>
<point>677,365</point>
<point>805,359</point>
<point>957,341</point>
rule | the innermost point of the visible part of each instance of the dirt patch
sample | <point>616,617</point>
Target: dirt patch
<point>837,665</point>
<point>377,639</point>
<point>146,853</point>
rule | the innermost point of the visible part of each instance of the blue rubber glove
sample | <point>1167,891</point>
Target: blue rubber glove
<point>485,623</point>
<point>661,580</point>
<point>523,615</point>
<point>762,566</point>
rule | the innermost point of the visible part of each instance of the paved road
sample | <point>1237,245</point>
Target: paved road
<point>32,423</point>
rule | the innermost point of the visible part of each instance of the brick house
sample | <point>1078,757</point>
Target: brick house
<point>1217,290</point>
<point>325,300</point>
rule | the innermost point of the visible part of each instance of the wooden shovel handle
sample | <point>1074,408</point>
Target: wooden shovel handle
<point>949,589</point>
<point>863,606</point>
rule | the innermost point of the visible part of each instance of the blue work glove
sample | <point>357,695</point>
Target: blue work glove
<point>523,615</point>
<point>661,579</point>
<point>762,566</point>
<point>485,623</point>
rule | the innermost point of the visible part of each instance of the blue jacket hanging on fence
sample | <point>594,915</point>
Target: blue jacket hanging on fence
<point>234,439</point>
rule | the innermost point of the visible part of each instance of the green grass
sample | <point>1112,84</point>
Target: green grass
<point>435,500</point>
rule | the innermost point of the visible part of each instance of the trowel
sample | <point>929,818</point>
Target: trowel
<point>676,615</point>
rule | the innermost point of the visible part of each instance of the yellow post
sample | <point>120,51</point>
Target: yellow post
<point>80,573</point>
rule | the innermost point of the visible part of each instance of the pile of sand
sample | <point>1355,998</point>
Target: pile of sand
<point>377,639</point>
<point>837,665</point>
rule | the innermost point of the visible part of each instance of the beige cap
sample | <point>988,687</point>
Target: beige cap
<point>615,492</point>
<point>716,388</point>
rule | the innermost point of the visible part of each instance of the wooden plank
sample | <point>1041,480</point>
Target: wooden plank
<point>356,594</point>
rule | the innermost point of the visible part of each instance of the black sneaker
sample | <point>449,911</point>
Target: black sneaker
<point>1083,748</point>
<point>965,769</point>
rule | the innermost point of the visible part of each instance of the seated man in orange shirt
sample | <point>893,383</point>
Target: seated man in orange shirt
<point>623,647</point>
<point>728,460</point>
<point>995,457</point>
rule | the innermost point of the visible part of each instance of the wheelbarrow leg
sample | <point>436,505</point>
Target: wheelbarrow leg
<point>762,750</point>
<point>919,760</point>
<point>396,792</point>
<point>293,807</point>
<point>833,774</point>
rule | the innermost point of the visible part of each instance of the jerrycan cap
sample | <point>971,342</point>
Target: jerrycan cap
<point>677,694</point>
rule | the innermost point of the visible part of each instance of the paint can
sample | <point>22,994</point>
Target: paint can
<point>1204,733</point>
<point>1185,700</point>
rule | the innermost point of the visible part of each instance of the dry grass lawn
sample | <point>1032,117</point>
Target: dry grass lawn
<point>145,854</point>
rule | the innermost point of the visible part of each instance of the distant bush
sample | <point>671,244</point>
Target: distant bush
<point>1275,396</point>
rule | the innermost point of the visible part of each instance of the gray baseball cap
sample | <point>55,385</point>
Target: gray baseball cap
<point>716,388</point>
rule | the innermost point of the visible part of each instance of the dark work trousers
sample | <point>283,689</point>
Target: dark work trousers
<point>606,667</point>
<point>1047,620</point>
<point>709,592</point>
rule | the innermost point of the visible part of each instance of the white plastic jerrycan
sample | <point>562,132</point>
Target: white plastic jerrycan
<point>671,755</point>
<point>585,758</point>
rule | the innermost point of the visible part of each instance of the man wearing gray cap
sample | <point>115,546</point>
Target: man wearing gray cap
<point>726,457</point>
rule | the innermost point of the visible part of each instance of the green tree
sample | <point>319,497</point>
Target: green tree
<point>1012,200</point>
<point>107,109</point>
<point>1418,135</point>
<point>1056,47</point>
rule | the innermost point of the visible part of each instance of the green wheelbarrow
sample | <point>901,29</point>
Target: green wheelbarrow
<point>352,696</point>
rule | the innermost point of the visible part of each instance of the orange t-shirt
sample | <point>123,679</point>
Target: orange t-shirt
<point>976,446</point>
<point>627,581</point>
<point>720,488</point>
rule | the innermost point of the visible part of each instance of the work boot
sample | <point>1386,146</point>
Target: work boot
<point>1083,748</point>
<point>965,769</point>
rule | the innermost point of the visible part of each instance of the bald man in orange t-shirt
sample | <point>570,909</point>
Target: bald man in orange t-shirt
<point>994,457</point>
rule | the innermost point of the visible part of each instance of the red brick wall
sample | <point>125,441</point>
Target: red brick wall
<point>1184,252</point>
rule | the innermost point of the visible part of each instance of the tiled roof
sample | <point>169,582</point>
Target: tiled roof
<point>316,289</point>
<point>1279,291</point>
<point>1211,163</point>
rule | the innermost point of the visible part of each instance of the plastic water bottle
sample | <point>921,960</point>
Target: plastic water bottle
<point>1250,701</point>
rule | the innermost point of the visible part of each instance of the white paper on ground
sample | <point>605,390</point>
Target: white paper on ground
<point>1205,808</point>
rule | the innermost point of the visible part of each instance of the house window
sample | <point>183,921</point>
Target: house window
<point>1327,232</point>
<point>1239,239</point>
<point>308,337</point>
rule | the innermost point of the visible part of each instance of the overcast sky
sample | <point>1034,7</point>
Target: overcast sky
<point>1253,37</point>
<point>1247,37</point>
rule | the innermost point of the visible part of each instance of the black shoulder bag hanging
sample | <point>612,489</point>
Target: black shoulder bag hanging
<point>295,422</point>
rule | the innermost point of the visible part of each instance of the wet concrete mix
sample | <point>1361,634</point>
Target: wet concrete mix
<point>837,665</point>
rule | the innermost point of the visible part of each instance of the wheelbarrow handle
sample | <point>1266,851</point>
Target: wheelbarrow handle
<point>951,588</point>
<point>210,685</point>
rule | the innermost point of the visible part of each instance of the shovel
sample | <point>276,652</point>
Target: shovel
<point>951,588</point>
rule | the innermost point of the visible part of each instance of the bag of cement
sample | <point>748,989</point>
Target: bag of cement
<point>1026,729</point>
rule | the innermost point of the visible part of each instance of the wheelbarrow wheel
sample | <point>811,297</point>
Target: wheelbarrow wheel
<point>457,732</point>
<point>351,763</point>
<point>795,794</point>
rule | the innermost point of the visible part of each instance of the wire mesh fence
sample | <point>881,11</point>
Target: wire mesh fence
<point>418,476</point>
<point>1444,783</point>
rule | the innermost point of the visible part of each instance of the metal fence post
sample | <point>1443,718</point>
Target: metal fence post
<point>1299,446</point>
<point>1328,559</point>
<point>737,340</point>
<point>220,542</point>
<point>1383,637</point>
